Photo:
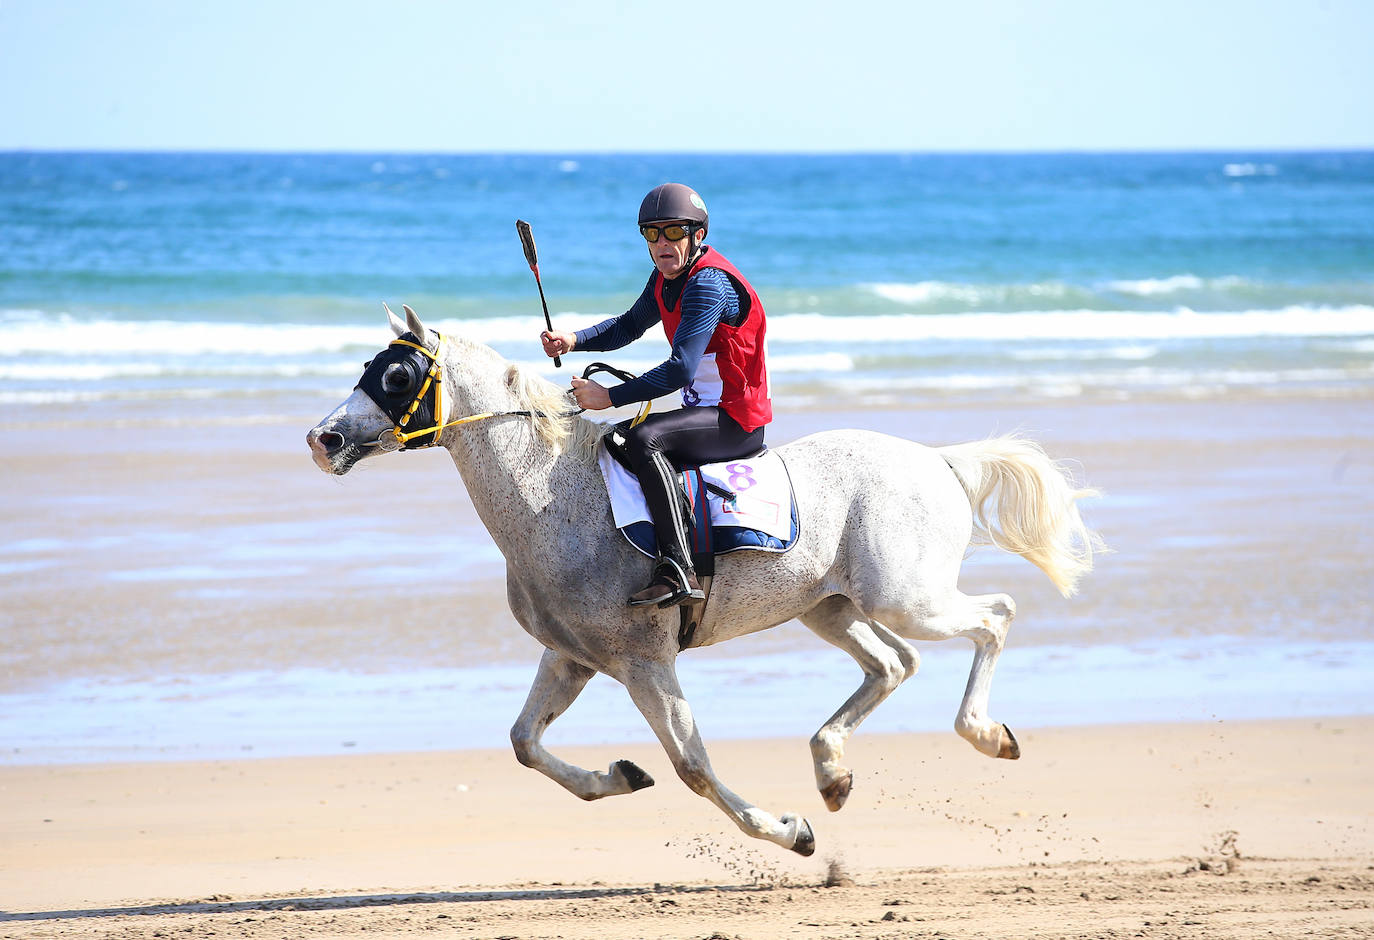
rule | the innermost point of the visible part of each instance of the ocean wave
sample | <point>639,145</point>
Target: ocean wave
<point>109,337</point>
<point>108,371</point>
<point>1250,169</point>
<point>1158,286</point>
<point>1125,380</point>
<point>925,293</point>
<point>791,389</point>
<point>1075,325</point>
<point>1052,354</point>
<point>22,373</point>
<point>70,396</point>
<point>1228,292</point>
<point>105,340</point>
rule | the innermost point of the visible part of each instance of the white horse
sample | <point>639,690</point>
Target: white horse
<point>885,526</point>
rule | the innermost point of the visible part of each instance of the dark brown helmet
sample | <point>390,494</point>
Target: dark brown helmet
<point>672,202</point>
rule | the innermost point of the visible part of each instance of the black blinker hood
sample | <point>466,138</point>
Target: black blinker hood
<point>407,368</point>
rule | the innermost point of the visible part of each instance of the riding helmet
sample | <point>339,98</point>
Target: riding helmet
<point>672,202</point>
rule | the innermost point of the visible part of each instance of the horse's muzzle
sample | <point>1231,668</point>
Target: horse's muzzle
<point>325,444</point>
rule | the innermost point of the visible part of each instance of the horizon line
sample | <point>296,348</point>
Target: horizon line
<point>744,152</point>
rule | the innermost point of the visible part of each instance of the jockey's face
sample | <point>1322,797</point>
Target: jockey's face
<point>671,257</point>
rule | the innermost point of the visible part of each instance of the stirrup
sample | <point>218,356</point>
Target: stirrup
<point>670,586</point>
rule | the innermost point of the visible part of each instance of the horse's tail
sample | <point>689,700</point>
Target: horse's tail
<point>1035,514</point>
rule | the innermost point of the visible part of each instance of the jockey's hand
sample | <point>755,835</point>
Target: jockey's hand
<point>590,395</point>
<point>557,343</point>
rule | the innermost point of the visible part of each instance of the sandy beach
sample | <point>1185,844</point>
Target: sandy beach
<point>1211,829</point>
<point>145,555</point>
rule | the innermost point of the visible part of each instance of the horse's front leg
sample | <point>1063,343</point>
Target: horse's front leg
<point>557,683</point>
<point>654,688</point>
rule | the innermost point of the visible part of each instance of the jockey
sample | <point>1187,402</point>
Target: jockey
<point>715,325</point>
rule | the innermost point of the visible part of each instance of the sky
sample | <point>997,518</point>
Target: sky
<point>599,75</point>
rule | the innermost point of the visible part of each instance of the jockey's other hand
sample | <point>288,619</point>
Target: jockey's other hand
<point>557,343</point>
<point>590,395</point>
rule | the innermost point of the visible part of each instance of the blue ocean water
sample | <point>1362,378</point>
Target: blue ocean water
<point>179,275</point>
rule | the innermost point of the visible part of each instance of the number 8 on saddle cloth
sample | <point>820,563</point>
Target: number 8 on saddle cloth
<point>735,505</point>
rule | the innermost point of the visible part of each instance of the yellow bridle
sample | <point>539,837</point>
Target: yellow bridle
<point>433,378</point>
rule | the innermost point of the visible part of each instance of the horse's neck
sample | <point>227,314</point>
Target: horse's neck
<point>509,471</point>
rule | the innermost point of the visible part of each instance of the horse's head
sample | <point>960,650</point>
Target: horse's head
<point>397,399</point>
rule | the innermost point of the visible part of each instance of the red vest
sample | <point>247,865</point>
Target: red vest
<point>738,351</point>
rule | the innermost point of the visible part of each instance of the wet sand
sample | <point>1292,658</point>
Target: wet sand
<point>143,547</point>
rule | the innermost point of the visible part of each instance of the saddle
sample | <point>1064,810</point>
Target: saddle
<point>745,504</point>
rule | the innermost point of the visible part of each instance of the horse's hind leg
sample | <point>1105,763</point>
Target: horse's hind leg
<point>557,683</point>
<point>984,619</point>
<point>886,659</point>
<point>994,613</point>
<point>654,688</point>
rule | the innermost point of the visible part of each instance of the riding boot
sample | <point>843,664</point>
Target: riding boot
<point>672,584</point>
<point>674,581</point>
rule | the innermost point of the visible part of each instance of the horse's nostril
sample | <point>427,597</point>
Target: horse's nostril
<point>331,440</point>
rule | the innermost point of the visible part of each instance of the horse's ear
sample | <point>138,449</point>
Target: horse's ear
<point>397,324</point>
<point>416,327</point>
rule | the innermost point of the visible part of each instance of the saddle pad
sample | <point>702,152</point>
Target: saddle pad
<point>760,514</point>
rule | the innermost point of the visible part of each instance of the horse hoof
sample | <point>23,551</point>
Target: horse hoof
<point>837,792</point>
<point>633,774</point>
<point>805,844</point>
<point>1009,749</point>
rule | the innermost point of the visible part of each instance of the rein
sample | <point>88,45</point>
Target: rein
<point>402,437</point>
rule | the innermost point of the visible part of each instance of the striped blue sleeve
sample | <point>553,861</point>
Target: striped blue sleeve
<point>624,329</point>
<point>708,298</point>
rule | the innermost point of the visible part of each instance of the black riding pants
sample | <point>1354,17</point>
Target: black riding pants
<point>663,442</point>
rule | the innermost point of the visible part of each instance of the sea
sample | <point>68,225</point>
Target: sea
<point>150,284</point>
<point>172,276</point>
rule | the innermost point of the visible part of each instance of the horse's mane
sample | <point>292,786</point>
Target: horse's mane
<point>554,418</point>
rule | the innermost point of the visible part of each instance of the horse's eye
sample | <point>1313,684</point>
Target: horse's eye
<point>396,380</point>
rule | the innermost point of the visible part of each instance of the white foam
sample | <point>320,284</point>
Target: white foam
<point>924,292</point>
<point>22,335</point>
<point>69,336</point>
<point>64,352</point>
<point>1073,325</point>
<point>1250,169</point>
<point>1065,382</point>
<point>1157,286</point>
<point>106,371</point>
<point>927,292</point>
<point>53,397</point>
<point>1084,355</point>
<point>68,396</point>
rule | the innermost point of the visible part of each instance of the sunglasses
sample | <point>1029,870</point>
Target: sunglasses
<point>675,232</point>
